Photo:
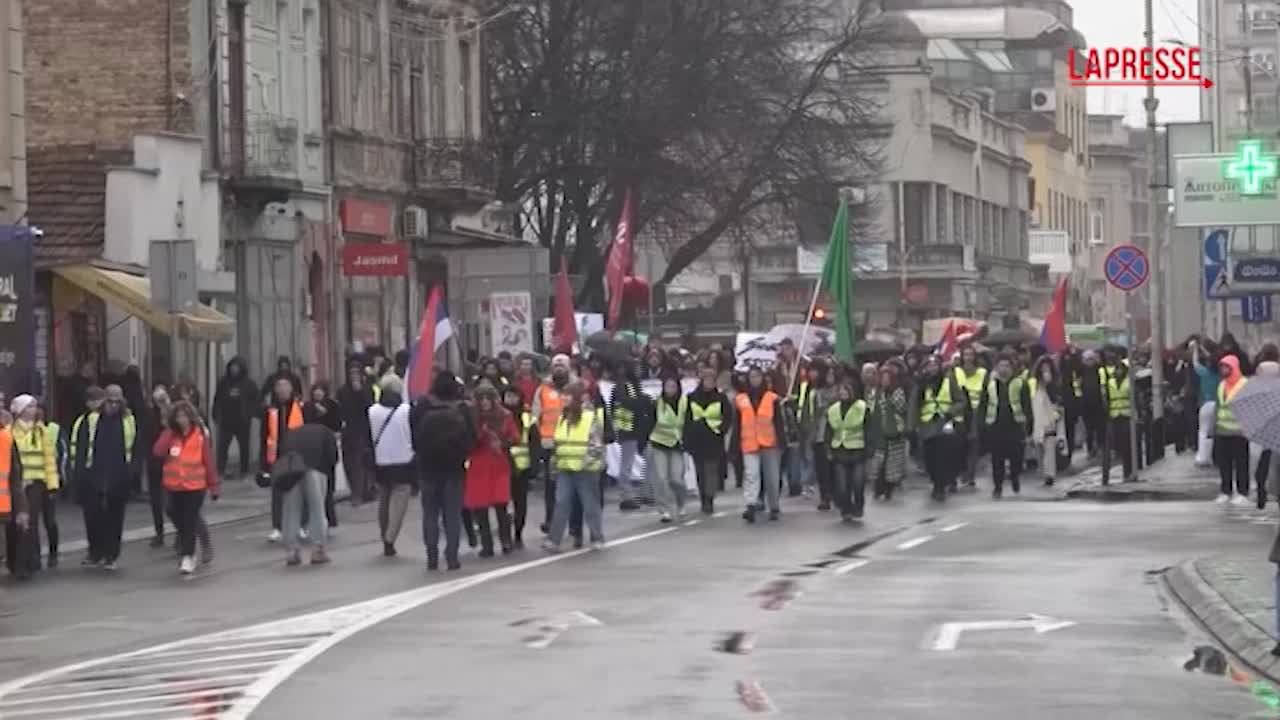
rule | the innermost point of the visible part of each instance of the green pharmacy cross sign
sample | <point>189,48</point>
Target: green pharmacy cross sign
<point>1251,168</point>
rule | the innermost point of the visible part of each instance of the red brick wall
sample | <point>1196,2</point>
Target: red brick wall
<point>96,70</point>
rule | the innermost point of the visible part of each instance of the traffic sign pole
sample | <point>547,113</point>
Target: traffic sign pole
<point>1127,268</point>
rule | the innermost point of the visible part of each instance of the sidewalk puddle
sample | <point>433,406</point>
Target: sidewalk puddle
<point>737,643</point>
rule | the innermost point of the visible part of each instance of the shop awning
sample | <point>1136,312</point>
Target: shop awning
<point>132,294</point>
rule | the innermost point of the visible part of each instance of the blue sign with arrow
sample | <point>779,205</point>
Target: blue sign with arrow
<point>1217,248</point>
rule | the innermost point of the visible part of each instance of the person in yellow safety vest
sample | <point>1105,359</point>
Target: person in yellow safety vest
<point>972,378</point>
<point>13,498</point>
<point>578,443</point>
<point>58,439</point>
<point>846,441</point>
<point>40,474</point>
<point>631,410</point>
<point>710,417</point>
<point>938,418</point>
<point>1119,415</point>
<point>1005,410</point>
<point>102,467</point>
<point>521,462</point>
<point>665,454</point>
<point>1230,446</point>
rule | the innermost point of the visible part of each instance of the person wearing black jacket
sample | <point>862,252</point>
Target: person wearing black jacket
<point>284,371</point>
<point>710,417</point>
<point>233,409</point>
<point>1004,412</point>
<point>1093,403</point>
<point>354,400</point>
<point>631,415</point>
<point>443,435</point>
<point>308,456</point>
<point>322,409</point>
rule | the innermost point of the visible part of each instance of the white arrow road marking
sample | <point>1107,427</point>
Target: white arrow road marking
<point>948,636</point>
<point>227,674</point>
<point>557,627</point>
<point>915,542</point>
<point>953,528</point>
<point>849,567</point>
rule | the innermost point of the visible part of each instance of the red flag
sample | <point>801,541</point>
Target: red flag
<point>947,346</point>
<point>564,333</point>
<point>434,332</point>
<point>619,265</point>
<point>1053,334</point>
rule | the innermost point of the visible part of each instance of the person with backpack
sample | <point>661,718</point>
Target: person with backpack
<point>443,435</point>
<point>393,469</point>
<point>307,459</point>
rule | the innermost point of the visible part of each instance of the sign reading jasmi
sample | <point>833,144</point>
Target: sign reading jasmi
<point>1235,189</point>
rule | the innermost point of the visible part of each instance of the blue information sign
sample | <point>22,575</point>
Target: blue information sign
<point>1126,267</point>
<point>1256,308</point>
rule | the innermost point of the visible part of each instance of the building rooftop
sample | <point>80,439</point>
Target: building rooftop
<point>1006,23</point>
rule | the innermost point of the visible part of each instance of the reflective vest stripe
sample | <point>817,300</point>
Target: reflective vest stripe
<point>973,384</point>
<point>848,429</point>
<point>520,451</point>
<point>668,427</point>
<point>1118,392</point>
<point>711,414</point>
<point>939,405</point>
<point>293,422</point>
<point>1225,421</point>
<point>572,442</point>
<point>624,420</point>
<point>36,451</point>
<point>1015,401</point>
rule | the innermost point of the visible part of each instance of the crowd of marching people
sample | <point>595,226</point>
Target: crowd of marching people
<point>668,428</point>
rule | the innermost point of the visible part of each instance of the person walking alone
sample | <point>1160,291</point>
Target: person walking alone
<point>846,444</point>
<point>391,440</point>
<point>443,435</point>
<point>579,457</point>
<point>665,454</point>
<point>488,481</point>
<point>102,449</point>
<point>189,474</point>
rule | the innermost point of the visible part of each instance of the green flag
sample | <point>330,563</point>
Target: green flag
<point>838,284</point>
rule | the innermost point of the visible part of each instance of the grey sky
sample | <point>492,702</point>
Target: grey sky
<point>1120,23</point>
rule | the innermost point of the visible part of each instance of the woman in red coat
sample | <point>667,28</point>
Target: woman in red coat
<point>489,468</point>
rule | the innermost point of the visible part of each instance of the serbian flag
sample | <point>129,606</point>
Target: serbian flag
<point>619,264</point>
<point>1053,335</point>
<point>434,332</point>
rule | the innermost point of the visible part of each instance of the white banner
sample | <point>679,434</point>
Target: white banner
<point>511,322</point>
<point>588,325</point>
<point>754,349</point>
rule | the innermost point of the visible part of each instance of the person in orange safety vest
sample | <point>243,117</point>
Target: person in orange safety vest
<point>760,427</point>
<point>189,474</point>
<point>283,414</point>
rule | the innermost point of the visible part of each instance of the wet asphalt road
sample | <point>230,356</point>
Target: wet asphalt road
<point>632,632</point>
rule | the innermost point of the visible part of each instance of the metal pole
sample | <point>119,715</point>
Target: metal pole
<point>1133,383</point>
<point>1153,220</point>
<point>172,255</point>
<point>648,271</point>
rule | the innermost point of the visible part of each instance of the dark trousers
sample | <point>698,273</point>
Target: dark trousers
<point>519,501</point>
<point>1071,417</point>
<point>442,505</point>
<point>155,493</point>
<point>355,463</point>
<point>481,516</point>
<point>822,470</point>
<point>241,435</point>
<point>23,546</point>
<point>849,472</point>
<point>708,472</point>
<point>1007,449</point>
<point>941,462</point>
<point>103,522</point>
<point>1095,428</point>
<point>49,513</point>
<point>1231,453</point>
<point>184,509</point>
<point>330,507</point>
<point>1119,444</point>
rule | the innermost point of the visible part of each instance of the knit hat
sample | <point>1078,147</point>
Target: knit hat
<point>486,388</point>
<point>391,383</point>
<point>94,396</point>
<point>20,404</point>
<point>561,360</point>
<point>115,394</point>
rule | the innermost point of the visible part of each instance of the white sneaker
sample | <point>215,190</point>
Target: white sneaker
<point>598,545</point>
<point>188,565</point>
<point>302,534</point>
<point>1239,500</point>
<point>274,536</point>
<point>1223,499</point>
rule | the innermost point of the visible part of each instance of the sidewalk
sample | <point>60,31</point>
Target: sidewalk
<point>1234,600</point>
<point>1176,477</point>
<point>241,500</point>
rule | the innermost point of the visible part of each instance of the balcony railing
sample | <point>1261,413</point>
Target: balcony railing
<point>454,164</point>
<point>263,146</point>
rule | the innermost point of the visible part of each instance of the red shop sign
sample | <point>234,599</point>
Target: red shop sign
<point>364,217</point>
<point>375,259</point>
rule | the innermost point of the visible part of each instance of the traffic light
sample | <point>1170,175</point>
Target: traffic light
<point>821,316</point>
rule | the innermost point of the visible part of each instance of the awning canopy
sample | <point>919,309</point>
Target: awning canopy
<point>132,294</point>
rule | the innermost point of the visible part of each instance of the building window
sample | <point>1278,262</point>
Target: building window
<point>1097,209</point>
<point>345,96</point>
<point>399,123</point>
<point>417,105</point>
<point>465,78</point>
<point>940,208</point>
<point>312,91</point>
<point>957,218</point>
<point>366,89</point>
<point>438,125</point>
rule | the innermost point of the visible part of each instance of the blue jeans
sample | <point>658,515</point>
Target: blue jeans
<point>301,504</point>
<point>1277,599</point>
<point>585,486</point>
<point>800,466</point>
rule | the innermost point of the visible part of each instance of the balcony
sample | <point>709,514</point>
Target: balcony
<point>263,154</point>
<point>453,166</point>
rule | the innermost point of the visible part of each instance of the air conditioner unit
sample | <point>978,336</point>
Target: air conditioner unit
<point>1043,99</point>
<point>415,222</point>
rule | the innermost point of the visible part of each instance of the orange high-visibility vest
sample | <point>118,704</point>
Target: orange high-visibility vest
<point>184,467</point>
<point>552,404</point>
<point>6,472</point>
<point>756,425</point>
<point>273,427</point>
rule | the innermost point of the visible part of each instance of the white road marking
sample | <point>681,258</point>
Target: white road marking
<point>691,523</point>
<point>719,513</point>
<point>235,670</point>
<point>849,567</point>
<point>953,528</point>
<point>559,625</point>
<point>914,542</point>
<point>948,636</point>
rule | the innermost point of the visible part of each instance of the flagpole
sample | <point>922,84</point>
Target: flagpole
<point>804,335</point>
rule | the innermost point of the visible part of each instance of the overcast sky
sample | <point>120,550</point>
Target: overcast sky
<point>1120,23</point>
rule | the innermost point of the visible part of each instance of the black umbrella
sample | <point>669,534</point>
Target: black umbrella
<point>876,347</point>
<point>1002,338</point>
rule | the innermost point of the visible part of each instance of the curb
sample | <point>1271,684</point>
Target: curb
<point>1118,493</point>
<point>1238,637</point>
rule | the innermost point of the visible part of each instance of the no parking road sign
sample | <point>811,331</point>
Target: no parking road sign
<point>1126,267</point>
